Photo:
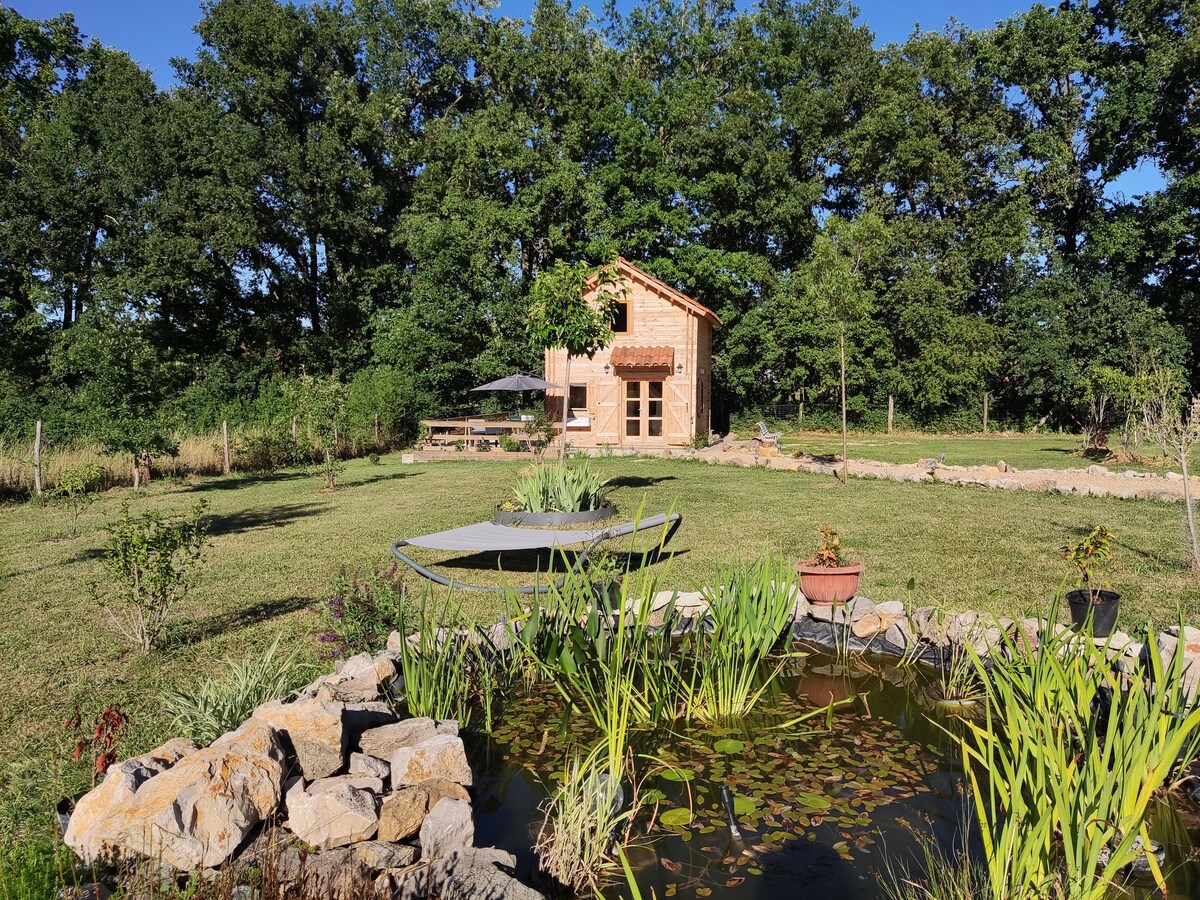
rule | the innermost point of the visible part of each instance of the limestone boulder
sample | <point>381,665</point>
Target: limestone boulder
<point>314,730</point>
<point>437,788</point>
<point>402,813</point>
<point>196,813</point>
<point>448,827</point>
<point>85,832</point>
<point>334,818</point>
<point>441,756</point>
<point>483,873</point>
<point>358,782</point>
<point>363,764</point>
<point>383,742</point>
<point>358,718</point>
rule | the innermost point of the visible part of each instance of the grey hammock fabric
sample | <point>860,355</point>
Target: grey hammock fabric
<point>488,536</point>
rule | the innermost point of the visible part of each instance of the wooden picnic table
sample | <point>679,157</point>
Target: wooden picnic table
<point>474,429</point>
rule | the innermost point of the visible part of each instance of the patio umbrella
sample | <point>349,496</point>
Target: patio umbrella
<point>518,382</point>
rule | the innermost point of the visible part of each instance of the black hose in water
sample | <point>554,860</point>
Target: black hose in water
<point>727,799</point>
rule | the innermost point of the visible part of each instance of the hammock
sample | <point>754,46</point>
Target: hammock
<point>488,537</point>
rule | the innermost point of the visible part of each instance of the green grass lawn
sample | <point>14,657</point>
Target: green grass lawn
<point>277,542</point>
<point>1025,451</point>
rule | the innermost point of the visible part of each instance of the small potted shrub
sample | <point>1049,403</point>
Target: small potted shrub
<point>1100,604</point>
<point>827,578</point>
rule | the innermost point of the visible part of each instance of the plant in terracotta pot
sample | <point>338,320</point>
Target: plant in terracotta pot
<point>1088,600</point>
<point>828,578</point>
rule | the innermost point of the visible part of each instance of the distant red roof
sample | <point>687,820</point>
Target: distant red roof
<point>643,357</point>
<point>632,272</point>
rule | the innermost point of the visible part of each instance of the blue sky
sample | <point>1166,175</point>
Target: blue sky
<point>152,31</point>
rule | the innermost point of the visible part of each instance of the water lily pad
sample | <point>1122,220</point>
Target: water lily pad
<point>744,806</point>
<point>813,801</point>
<point>676,817</point>
<point>729,745</point>
<point>679,774</point>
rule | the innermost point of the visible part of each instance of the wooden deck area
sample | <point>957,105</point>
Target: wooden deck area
<point>481,428</point>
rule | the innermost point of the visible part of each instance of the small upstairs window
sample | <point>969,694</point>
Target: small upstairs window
<point>578,396</point>
<point>620,320</point>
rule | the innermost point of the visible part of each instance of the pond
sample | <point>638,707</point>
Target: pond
<point>830,810</point>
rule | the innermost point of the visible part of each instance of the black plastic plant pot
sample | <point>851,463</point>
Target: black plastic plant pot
<point>1103,610</point>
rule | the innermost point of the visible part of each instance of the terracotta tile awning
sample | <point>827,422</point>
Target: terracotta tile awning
<point>643,357</point>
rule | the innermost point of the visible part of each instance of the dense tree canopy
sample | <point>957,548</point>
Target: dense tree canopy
<point>372,188</point>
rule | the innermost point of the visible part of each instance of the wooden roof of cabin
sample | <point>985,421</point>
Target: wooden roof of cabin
<point>664,290</point>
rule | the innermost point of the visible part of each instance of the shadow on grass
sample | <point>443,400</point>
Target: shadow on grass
<point>393,476</point>
<point>265,517</point>
<point>194,632</point>
<point>638,481</point>
<point>233,482</point>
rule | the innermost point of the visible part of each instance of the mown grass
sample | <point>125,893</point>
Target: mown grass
<point>1025,451</point>
<point>277,542</point>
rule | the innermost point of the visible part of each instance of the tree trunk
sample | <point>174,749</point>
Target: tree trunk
<point>137,473</point>
<point>562,450</point>
<point>377,430</point>
<point>1189,515</point>
<point>37,459</point>
<point>842,357</point>
<point>314,294</point>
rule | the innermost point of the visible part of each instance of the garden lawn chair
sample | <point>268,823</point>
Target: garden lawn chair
<point>767,435</point>
<point>488,537</point>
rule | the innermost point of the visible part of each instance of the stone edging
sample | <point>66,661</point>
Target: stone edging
<point>381,798</point>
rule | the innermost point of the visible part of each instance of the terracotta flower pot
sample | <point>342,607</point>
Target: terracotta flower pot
<point>828,585</point>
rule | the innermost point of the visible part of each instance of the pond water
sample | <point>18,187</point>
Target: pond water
<point>831,811</point>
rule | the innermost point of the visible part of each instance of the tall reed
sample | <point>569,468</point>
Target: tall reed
<point>1064,766</point>
<point>749,610</point>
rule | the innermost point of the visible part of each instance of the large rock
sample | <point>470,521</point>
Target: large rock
<point>85,832</point>
<point>196,813</point>
<point>314,730</point>
<point>437,788</point>
<point>480,874</point>
<point>383,742</point>
<point>362,764</point>
<point>447,828</point>
<point>441,756</point>
<point>335,818</point>
<point>358,782</point>
<point>344,873</point>
<point>402,813</point>
<point>361,717</point>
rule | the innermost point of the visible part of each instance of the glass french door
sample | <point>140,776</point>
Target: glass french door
<point>643,409</point>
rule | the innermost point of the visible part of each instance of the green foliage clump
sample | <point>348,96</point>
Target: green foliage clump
<point>151,562</point>
<point>76,490</point>
<point>213,706</point>
<point>1063,792</point>
<point>560,488</point>
<point>361,612</point>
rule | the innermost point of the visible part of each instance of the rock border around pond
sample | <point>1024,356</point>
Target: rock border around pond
<point>333,784</point>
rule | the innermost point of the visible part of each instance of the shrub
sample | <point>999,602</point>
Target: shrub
<point>509,443</point>
<point>217,705</point>
<point>151,561</point>
<point>76,490</point>
<point>361,612</point>
<point>268,451</point>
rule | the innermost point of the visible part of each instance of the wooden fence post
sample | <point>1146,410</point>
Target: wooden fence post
<point>891,410</point>
<point>293,428</point>
<point>225,446</point>
<point>985,412</point>
<point>37,458</point>
<point>800,424</point>
<point>376,429</point>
